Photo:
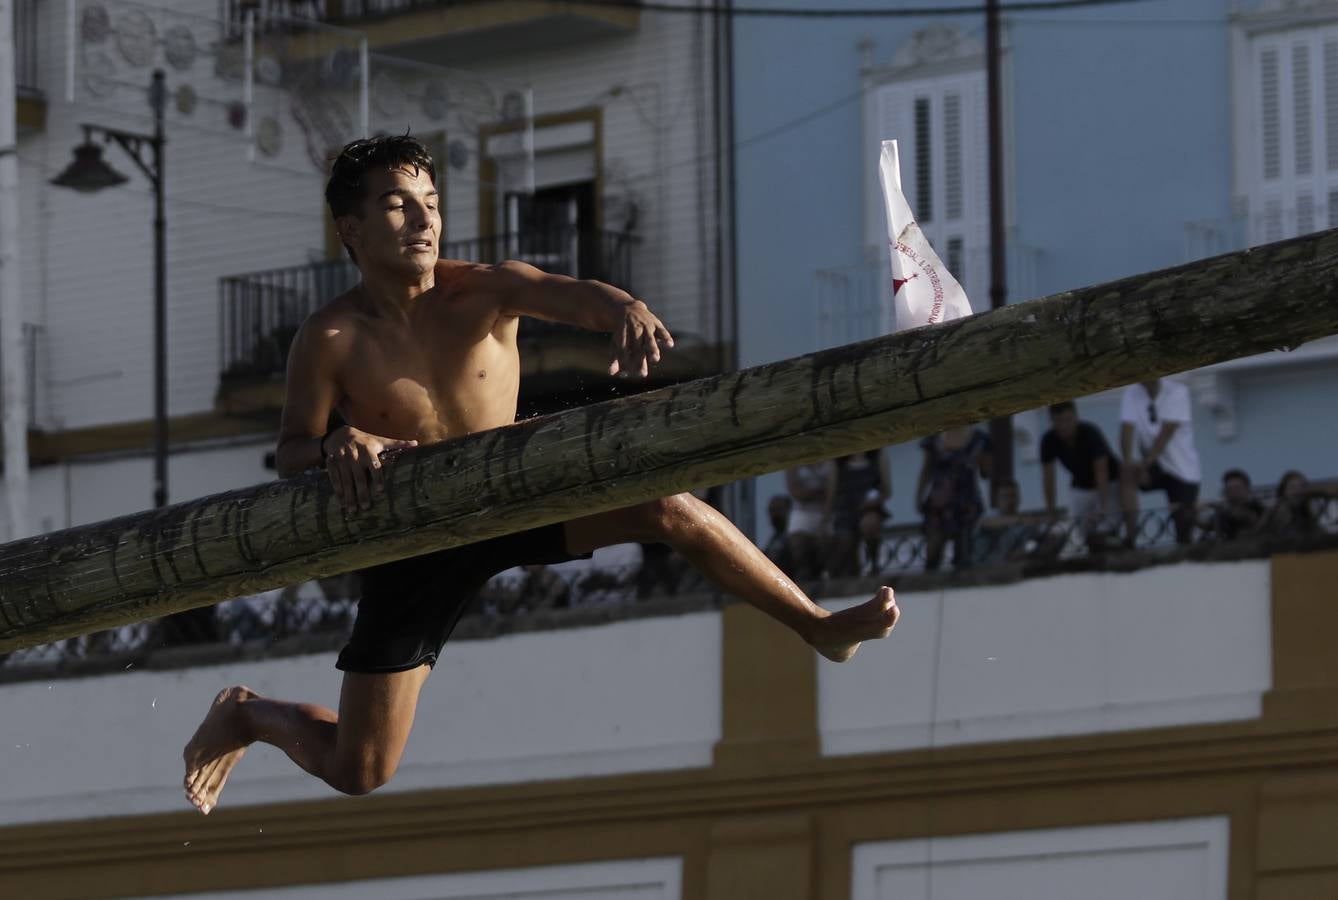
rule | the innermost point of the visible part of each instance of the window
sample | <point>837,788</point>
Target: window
<point>940,125</point>
<point>1287,139</point>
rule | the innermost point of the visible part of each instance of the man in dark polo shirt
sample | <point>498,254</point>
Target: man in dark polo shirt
<point>1093,467</point>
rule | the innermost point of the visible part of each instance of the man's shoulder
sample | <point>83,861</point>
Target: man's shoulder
<point>331,325</point>
<point>1174,388</point>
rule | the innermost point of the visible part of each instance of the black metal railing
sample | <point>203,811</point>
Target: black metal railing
<point>25,46</point>
<point>271,15</point>
<point>319,614</point>
<point>261,311</point>
<point>337,12</point>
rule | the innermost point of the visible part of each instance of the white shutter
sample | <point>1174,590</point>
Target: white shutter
<point>1330,88</point>
<point>952,159</point>
<point>1302,130</point>
<point>1305,213</point>
<point>1270,129</point>
<point>922,171</point>
<point>1272,219</point>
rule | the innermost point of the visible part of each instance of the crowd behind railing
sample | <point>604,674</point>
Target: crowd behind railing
<point>832,523</point>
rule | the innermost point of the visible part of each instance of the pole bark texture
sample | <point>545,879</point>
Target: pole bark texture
<point>619,452</point>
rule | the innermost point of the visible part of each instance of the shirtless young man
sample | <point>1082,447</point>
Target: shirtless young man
<point>420,351</point>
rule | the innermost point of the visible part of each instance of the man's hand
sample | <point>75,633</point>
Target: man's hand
<point>636,340</point>
<point>354,460</point>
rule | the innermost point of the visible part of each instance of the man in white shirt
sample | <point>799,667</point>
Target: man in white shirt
<point>1157,414</point>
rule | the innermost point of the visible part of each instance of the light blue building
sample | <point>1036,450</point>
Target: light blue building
<point>1138,136</point>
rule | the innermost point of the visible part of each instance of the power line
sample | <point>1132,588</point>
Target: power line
<point>782,12</point>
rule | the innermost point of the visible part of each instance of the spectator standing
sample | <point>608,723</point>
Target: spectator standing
<point>854,510</point>
<point>1156,416</point>
<point>948,492</point>
<point>777,547</point>
<point>1240,512</point>
<point>1093,469</point>
<point>808,486</point>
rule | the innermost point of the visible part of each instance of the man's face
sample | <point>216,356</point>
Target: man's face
<point>400,226</point>
<point>1235,490</point>
<point>1295,487</point>
<point>1065,423</point>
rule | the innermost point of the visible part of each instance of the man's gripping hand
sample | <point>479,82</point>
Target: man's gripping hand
<point>354,460</point>
<point>636,340</point>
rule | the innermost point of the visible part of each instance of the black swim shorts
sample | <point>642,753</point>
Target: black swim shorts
<point>408,608</point>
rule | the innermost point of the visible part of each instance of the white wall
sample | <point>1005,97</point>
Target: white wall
<point>637,879</point>
<point>633,696</point>
<point>1173,860</point>
<point>1075,654</point>
<point>80,492</point>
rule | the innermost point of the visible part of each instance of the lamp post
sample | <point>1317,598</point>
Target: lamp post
<point>88,174</point>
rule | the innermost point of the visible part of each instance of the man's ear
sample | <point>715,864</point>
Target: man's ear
<point>346,227</point>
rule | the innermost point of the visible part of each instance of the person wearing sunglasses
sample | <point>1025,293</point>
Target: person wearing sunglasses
<point>1156,417</point>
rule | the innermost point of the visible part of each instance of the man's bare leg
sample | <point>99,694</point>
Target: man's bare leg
<point>354,751</point>
<point>1129,483</point>
<point>711,542</point>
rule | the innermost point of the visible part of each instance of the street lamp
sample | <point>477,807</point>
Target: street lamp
<point>89,173</point>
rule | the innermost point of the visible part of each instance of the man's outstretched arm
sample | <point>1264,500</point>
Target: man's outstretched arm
<point>523,290</point>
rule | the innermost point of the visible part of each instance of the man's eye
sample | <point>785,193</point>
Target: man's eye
<point>393,208</point>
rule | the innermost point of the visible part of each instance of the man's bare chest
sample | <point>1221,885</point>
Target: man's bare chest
<point>435,380</point>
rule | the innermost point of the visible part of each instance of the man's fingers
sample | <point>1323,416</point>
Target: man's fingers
<point>339,479</point>
<point>377,475</point>
<point>628,356</point>
<point>663,334</point>
<point>651,347</point>
<point>360,472</point>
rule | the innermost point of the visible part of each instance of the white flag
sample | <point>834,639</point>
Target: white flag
<point>923,290</point>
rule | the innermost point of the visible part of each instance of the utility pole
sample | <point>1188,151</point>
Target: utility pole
<point>12,351</point>
<point>1001,429</point>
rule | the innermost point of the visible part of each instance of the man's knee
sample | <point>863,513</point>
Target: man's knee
<point>361,777</point>
<point>665,517</point>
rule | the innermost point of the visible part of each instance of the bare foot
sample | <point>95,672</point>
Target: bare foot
<point>216,747</point>
<point>838,636</point>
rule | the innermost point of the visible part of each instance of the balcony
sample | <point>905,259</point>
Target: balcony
<point>261,311</point>
<point>461,31</point>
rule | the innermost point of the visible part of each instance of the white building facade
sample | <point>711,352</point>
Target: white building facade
<point>586,143</point>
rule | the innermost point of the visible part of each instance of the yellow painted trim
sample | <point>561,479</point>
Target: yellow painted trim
<point>56,446</point>
<point>30,112</point>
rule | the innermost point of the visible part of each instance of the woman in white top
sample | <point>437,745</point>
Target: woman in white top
<point>808,486</point>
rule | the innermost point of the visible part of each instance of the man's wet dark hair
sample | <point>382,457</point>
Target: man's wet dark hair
<point>1063,406</point>
<point>348,174</point>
